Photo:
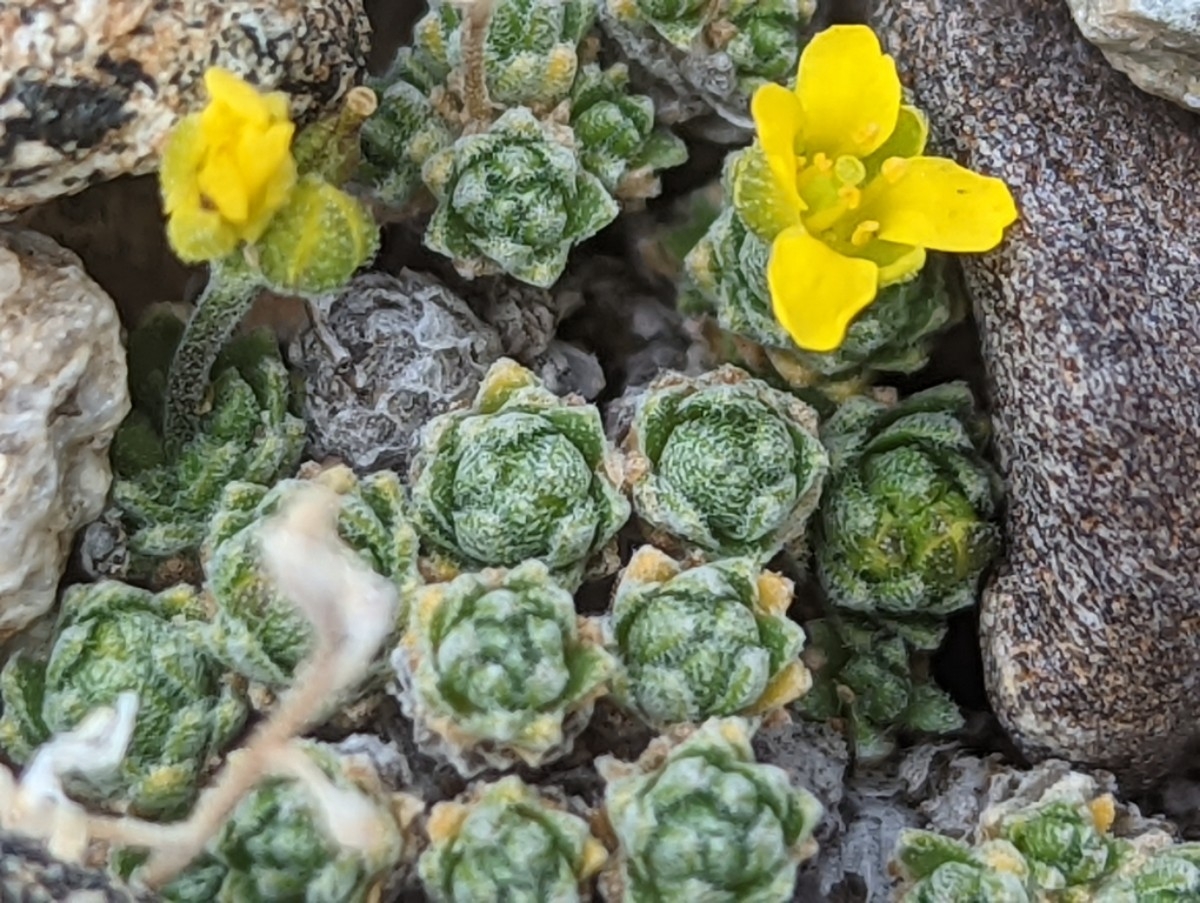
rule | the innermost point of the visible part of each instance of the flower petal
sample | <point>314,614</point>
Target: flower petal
<point>815,291</point>
<point>779,123</point>
<point>901,265</point>
<point>222,186</point>
<point>849,92</point>
<point>935,203</point>
<point>183,153</point>
<point>239,97</point>
<point>278,106</point>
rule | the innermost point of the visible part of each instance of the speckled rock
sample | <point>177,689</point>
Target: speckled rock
<point>383,356</point>
<point>1089,318</point>
<point>88,90</point>
<point>1155,42</point>
<point>62,396</point>
<point>29,874</point>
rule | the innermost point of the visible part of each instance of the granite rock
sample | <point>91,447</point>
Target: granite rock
<point>383,356</point>
<point>62,396</point>
<point>1155,42</point>
<point>1089,317</point>
<point>88,91</point>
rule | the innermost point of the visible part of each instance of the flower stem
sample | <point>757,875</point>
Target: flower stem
<point>232,288</point>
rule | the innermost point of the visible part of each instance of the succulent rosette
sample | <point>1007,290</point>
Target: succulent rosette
<point>505,841</point>
<point>699,58</point>
<point>941,869</point>
<point>724,464</point>
<point>727,272</point>
<point>256,631</point>
<point>519,474</point>
<point>279,845</point>
<point>703,641</point>
<point>165,498</point>
<point>113,638</point>
<point>1058,846</point>
<point>697,818</point>
<point>875,681</point>
<point>1166,875</point>
<point>496,669</point>
<point>513,199</point>
<point>618,137</point>
<point>909,519</point>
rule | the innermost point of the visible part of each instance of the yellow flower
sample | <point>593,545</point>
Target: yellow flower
<point>227,169</point>
<point>845,196</point>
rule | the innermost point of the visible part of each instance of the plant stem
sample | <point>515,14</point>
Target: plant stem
<point>231,290</point>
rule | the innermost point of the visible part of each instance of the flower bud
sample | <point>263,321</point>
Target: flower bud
<point>317,240</point>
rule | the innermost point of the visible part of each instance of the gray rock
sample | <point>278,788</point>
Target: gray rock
<point>1155,42</point>
<point>383,356</point>
<point>877,803</point>
<point>88,91</point>
<point>62,396</point>
<point>1088,313</point>
<point>567,369</point>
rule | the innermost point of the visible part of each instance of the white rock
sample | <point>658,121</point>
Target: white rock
<point>62,395</point>
<point>1155,42</point>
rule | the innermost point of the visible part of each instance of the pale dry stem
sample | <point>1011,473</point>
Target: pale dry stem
<point>474,39</point>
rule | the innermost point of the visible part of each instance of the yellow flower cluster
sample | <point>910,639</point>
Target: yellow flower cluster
<point>847,199</point>
<point>226,170</point>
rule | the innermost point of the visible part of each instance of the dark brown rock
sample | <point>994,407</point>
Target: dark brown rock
<point>1090,315</point>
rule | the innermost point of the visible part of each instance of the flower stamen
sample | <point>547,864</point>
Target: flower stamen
<point>850,196</point>
<point>867,135</point>
<point>893,169</point>
<point>864,232</point>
